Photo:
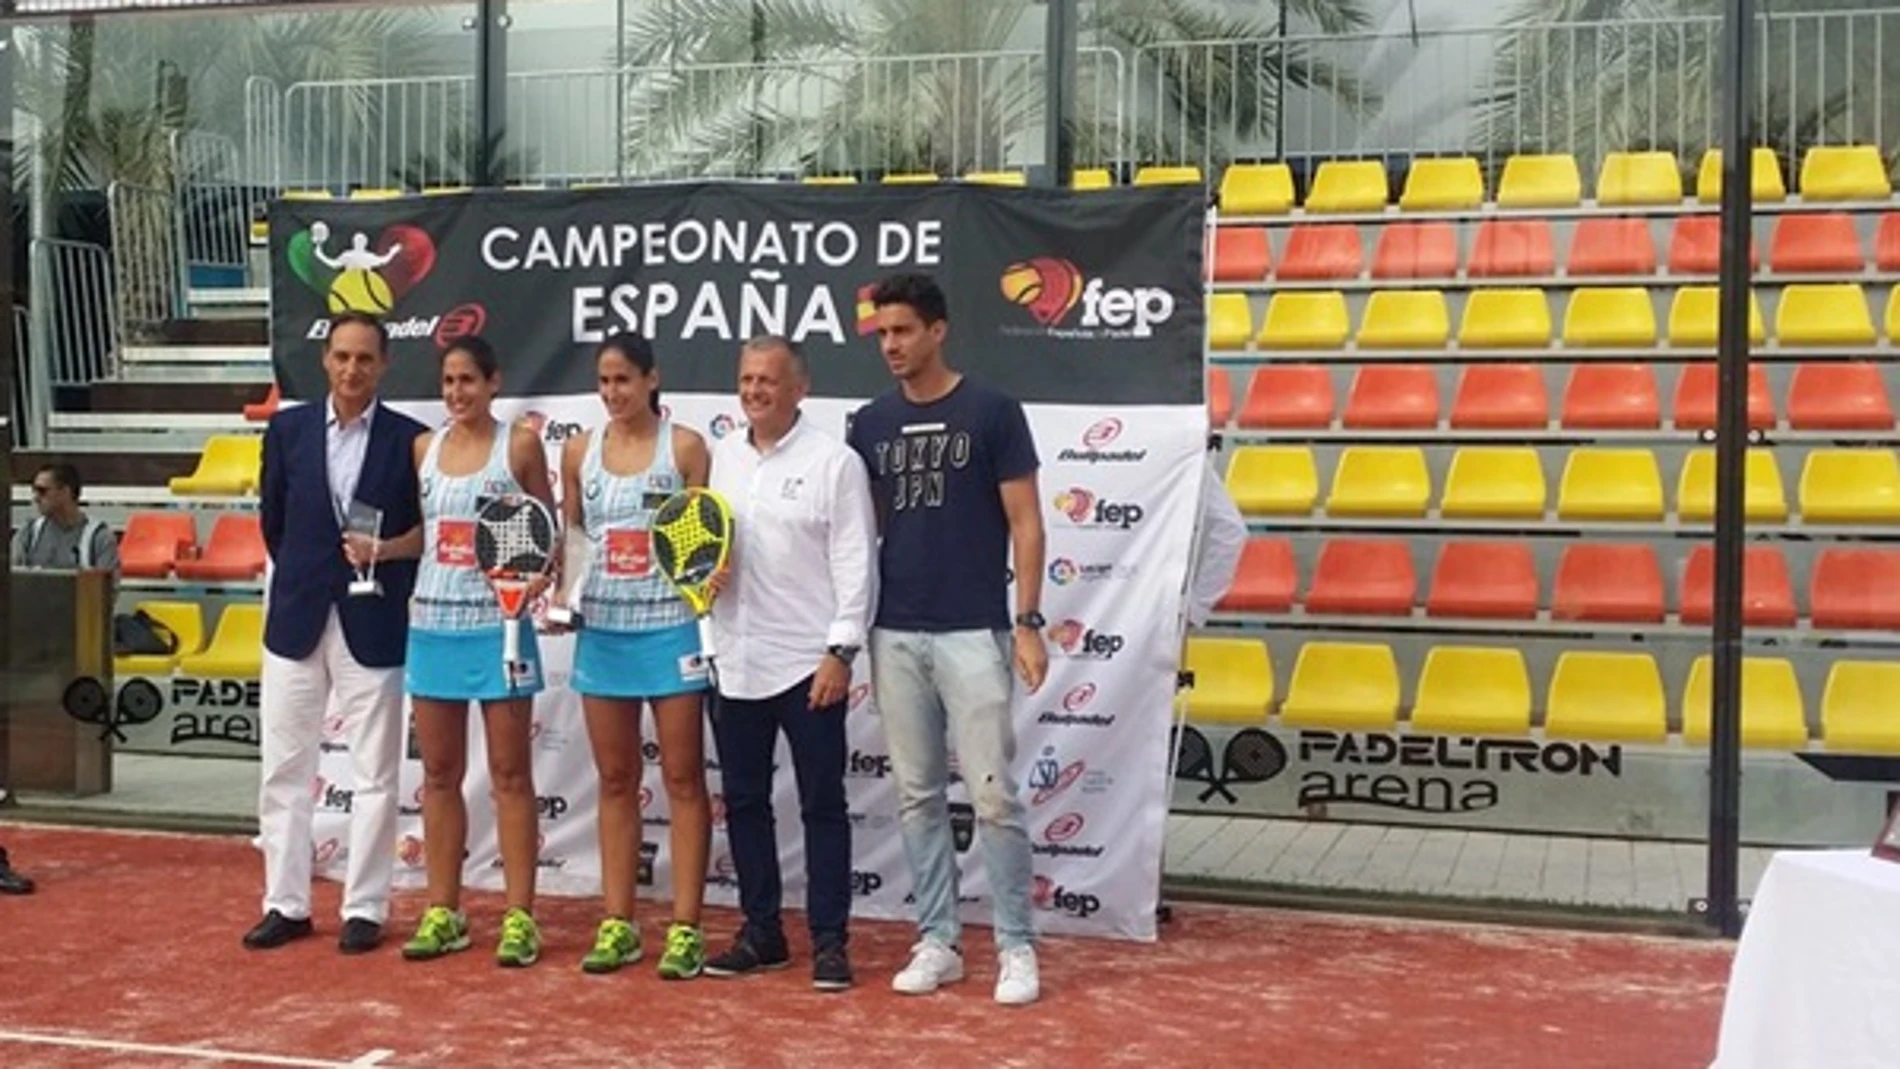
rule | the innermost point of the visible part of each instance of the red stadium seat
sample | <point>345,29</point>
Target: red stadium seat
<point>1612,247</point>
<point>1416,250</point>
<point>1266,578</point>
<point>1501,397</point>
<point>1372,576</point>
<point>1612,397</point>
<point>265,409</point>
<point>1320,251</point>
<point>1512,248</point>
<point>1608,584</point>
<point>1825,243</point>
<point>1887,243</point>
<point>1696,246</point>
<point>1488,580</point>
<point>1767,592</point>
<point>1393,396</point>
<point>154,541</point>
<point>1220,397</point>
<point>1856,588</point>
<point>1695,397</point>
<point>234,551</point>
<point>1289,395</point>
<point>1241,254</point>
<point>1839,397</point>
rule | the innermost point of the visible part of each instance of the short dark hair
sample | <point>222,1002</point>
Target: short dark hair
<point>476,348</point>
<point>635,349</point>
<point>361,319</point>
<point>64,474</point>
<point>921,292</point>
<point>768,342</point>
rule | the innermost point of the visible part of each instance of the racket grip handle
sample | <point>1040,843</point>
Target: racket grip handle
<point>705,637</point>
<point>511,641</point>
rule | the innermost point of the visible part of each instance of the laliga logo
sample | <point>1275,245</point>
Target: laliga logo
<point>1043,285</point>
<point>365,277</point>
<point>722,425</point>
<point>1063,571</point>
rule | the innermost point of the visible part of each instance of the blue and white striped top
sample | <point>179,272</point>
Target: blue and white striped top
<point>624,590</point>
<point>451,594</point>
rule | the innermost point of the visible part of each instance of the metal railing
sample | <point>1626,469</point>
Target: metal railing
<point>29,422</point>
<point>214,205</point>
<point>146,261</point>
<point>79,347</point>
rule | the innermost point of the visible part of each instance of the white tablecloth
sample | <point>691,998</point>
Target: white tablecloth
<point>1816,979</point>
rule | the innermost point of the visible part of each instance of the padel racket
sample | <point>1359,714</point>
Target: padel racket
<point>514,546</point>
<point>692,533</point>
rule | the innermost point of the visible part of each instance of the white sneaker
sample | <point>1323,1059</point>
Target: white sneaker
<point>932,965</point>
<point>1018,981</point>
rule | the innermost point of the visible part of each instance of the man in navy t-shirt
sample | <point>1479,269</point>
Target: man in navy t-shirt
<point>953,473</point>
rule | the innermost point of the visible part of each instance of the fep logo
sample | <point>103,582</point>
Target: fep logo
<point>1085,508</point>
<point>1095,442</point>
<point>1051,896</point>
<point>1049,288</point>
<point>1076,639</point>
<point>549,429</point>
<point>1044,286</point>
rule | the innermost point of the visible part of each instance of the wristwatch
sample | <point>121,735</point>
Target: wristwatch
<point>847,654</point>
<point>1032,620</point>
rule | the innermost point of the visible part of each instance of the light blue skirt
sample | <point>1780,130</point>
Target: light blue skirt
<point>639,664</point>
<point>466,665</point>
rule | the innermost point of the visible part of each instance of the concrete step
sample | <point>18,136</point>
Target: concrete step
<point>219,398</point>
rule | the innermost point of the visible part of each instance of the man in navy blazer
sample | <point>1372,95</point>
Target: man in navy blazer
<point>327,650</point>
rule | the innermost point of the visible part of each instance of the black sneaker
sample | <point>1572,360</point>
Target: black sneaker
<point>830,969</point>
<point>749,955</point>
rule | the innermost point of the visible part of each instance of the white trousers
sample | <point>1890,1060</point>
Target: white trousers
<point>294,698</point>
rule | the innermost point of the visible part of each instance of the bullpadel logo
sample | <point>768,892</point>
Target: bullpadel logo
<point>371,275</point>
<point>1049,288</point>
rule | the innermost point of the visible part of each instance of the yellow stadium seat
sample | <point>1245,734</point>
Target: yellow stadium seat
<point>444,191</point>
<point>1233,680</point>
<point>910,178</point>
<point>308,194</point>
<point>1844,172</point>
<point>1279,480</point>
<point>1612,316</point>
<point>375,194</point>
<point>1473,691</point>
<point>1405,319</point>
<point>998,178</point>
<point>1352,685</point>
<point>1610,484</point>
<point>1091,178</point>
<point>1893,314</point>
<point>829,180</point>
<point>186,619</point>
<point>1763,500</point>
<point>1447,184</point>
<point>1348,186</point>
<point>1229,320</point>
<point>1764,176</point>
<point>1850,486</point>
<point>1695,316</point>
<point>1606,697</point>
<point>1540,182</point>
<point>1305,320</point>
<point>1155,175</point>
<point>1379,480</point>
<point>1639,178</point>
<point>1256,189</point>
<point>1858,713</point>
<point>228,465</point>
<point>237,647</point>
<point>1773,715</point>
<point>1505,319</point>
<point>1823,313</point>
<point>1505,482</point>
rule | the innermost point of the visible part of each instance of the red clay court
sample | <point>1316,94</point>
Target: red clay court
<point>130,952</point>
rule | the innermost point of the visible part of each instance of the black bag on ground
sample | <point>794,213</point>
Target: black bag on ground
<point>140,633</point>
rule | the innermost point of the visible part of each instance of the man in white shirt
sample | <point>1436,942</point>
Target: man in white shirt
<point>789,621</point>
<point>1220,537</point>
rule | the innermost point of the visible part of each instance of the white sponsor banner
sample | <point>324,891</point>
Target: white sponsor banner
<point>1120,491</point>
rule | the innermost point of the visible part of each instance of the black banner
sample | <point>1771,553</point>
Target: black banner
<point>1055,296</point>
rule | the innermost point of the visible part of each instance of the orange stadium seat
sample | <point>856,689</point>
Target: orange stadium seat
<point>1612,397</point>
<point>1501,397</point>
<point>1289,395</point>
<point>260,411</point>
<point>1612,247</point>
<point>1887,243</point>
<point>1512,248</point>
<point>1838,397</point>
<point>1321,251</point>
<point>1220,397</point>
<point>1265,580</point>
<point>1241,254</point>
<point>1767,592</point>
<point>1695,397</point>
<point>1487,580</point>
<point>1855,588</point>
<point>1608,583</point>
<point>154,541</point>
<point>1393,396</point>
<point>1369,576</point>
<point>1825,243</point>
<point>1695,248</point>
<point>1416,250</point>
<point>234,551</point>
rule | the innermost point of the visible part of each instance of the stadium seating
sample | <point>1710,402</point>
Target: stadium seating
<point>1220,397</point>
<point>1834,397</point>
<point>1363,575</point>
<point>1827,313</point>
<point>1241,254</point>
<point>1287,396</point>
<point>1495,482</point>
<point>1639,178</point>
<point>1443,184</point>
<point>1773,716</point>
<point>262,411</point>
<point>1273,480</point>
<point>1404,319</point>
<point>1505,319</point>
<point>1540,182</point>
<point>1229,321</point>
<point>1695,246</point>
<point>1348,186</point>
<point>228,466</point>
<point>1160,175</point>
<point>1694,316</point>
<point>913,178</point>
<point>1764,173</point>
<point>1390,481</point>
<point>154,541</point>
<point>1608,583</point>
<point>1487,580</point>
<point>1265,579</point>
<point>1255,189</point>
<point>1393,396</point>
<point>1763,499</point>
<point>1091,178</point>
<point>236,649</point>
<point>1610,484</point>
<point>235,551</point>
<point>1855,588</point>
<point>1610,316</point>
<point>1305,320</point>
<point>1233,680</point>
<point>1512,248</point>
<point>1416,250</point>
<point>1317,251</point>
<point>1352,685</point>
<point>830,180</point>
<point>1850,486</point>
<point>1606,697</point>
<point>1501,397</point>
<point>1611,397</point>
<point>1816,244</point>
<point>1694,406</point>
<point>1767,592</point>
<point>1844,172</point>
<point>1858,714</point>
<point>1612,247</point>
<point>1887,243</point>
<point>1473,690</point>
<point>185,620</point>
<point>997,178</point>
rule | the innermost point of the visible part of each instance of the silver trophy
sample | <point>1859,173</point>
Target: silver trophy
<point>368,522</point>
<point>577,551</point>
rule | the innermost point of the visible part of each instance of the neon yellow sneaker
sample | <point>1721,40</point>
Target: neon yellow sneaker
<point>441,931</point>
<point>520,940</point>
<point>616,943</point>
<point>685,955</point>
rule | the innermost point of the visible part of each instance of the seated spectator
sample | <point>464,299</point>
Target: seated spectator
<point>61,536</point>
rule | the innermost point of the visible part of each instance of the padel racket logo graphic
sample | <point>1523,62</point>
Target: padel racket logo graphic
<point>459,322</point>
<point>1078,697</point>
<point>1102,432</point>
<point>858,694</point>
<point>1251,757</point>
<point>1063,828</point>
<point>370,275</point>
<point>327,852</point>
<point>1044,286</point>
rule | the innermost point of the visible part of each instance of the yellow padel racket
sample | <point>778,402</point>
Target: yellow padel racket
<point>692,533</point>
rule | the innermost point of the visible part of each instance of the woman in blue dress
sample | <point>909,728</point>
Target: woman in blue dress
<point>455,654</point>
<point>638,643</point>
